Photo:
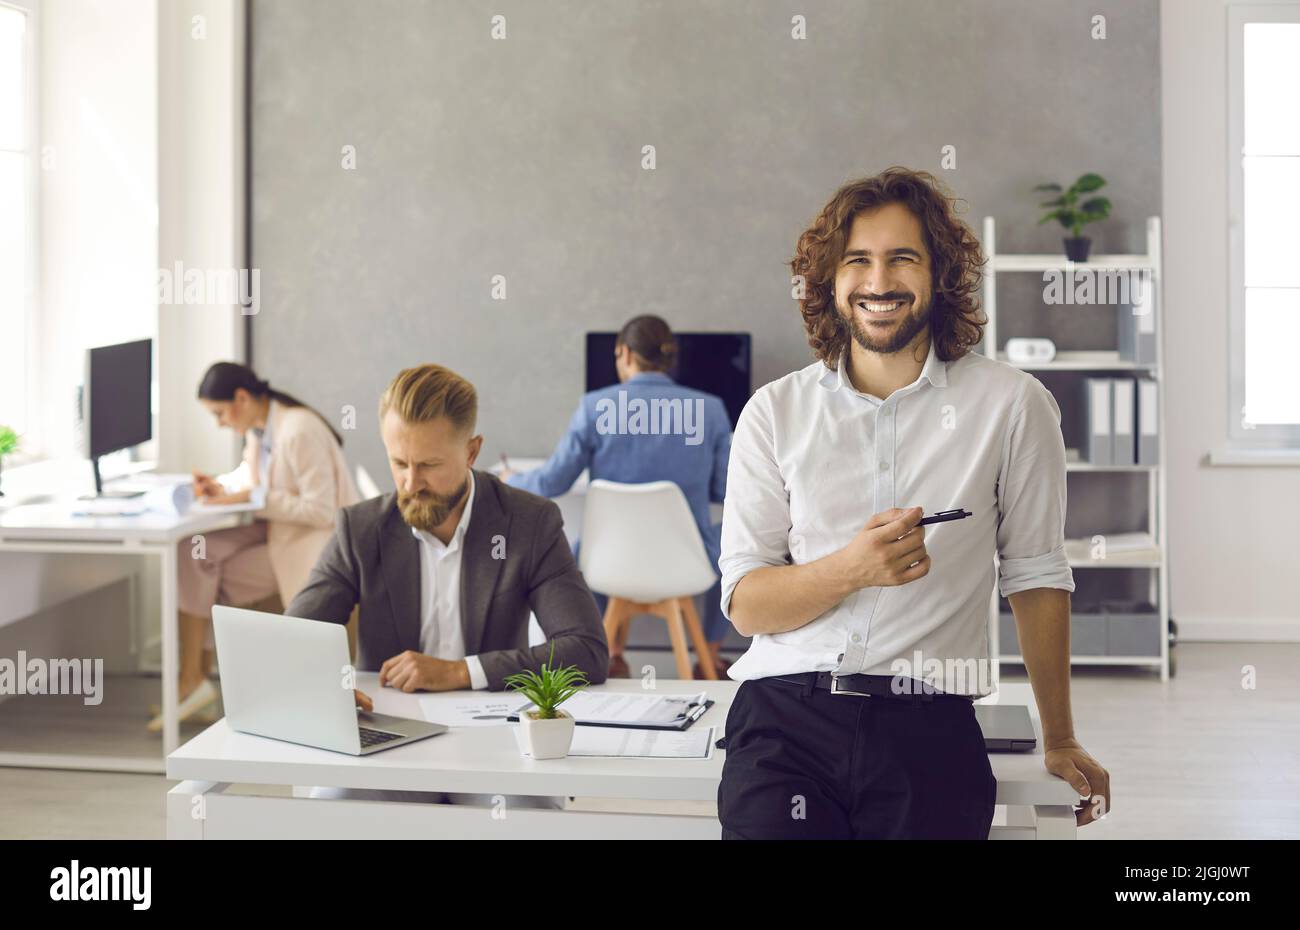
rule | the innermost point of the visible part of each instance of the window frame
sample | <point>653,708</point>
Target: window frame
<point>32,445</point>
<point>1273,437</point>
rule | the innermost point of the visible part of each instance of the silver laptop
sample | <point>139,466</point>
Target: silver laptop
<point>1007,727</point>
<point>285,678</point>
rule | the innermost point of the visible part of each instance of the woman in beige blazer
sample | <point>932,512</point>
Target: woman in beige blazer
<point>294,469</point>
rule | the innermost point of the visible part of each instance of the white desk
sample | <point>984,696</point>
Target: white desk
<point>624,798</point>
<point>50,528</point>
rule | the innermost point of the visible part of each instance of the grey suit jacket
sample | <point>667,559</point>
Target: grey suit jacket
<point>515,559</point>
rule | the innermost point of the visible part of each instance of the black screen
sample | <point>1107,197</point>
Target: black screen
<point>714,362</point>
<point>118,383</point>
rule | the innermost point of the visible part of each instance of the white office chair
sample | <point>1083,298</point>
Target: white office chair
<point>366,485</point>
<point>642,549</point>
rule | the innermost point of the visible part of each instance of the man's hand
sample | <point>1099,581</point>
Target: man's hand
<point>414,671</point>
<point>363,700</point>
<point>1068,760</point>
<point>888,551</point>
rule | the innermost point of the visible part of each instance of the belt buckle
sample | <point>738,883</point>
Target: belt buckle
<point>836,689</point>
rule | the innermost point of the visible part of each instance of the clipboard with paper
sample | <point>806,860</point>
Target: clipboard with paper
<point>635,711</point>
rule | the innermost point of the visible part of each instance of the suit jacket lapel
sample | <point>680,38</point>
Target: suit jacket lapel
<point>479,571</point>
<point>399,553</point>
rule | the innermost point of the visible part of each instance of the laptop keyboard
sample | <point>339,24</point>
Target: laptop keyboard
<point>371,737</point>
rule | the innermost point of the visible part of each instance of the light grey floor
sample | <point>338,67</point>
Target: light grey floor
<point>1200,757</point>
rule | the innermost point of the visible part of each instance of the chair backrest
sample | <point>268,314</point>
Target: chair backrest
<point>366,485</point>
<point>640,543</point>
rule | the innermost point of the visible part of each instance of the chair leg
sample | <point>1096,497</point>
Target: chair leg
<point>672,614</point>
<point>615,620</point>
<point>702,653</point>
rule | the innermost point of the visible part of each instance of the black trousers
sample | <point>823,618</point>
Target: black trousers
<point>802,763</point>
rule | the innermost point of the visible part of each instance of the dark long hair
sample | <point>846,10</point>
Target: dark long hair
<point>651,340</point>
<point>224,378</point>
<point>956,321</point>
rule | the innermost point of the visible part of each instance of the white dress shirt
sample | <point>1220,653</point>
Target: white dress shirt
<point>440,632</point>
<point>813,459</point>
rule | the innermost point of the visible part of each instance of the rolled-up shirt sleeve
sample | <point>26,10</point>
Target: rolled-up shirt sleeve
<point>756,507</point>
<point>1031,497</point>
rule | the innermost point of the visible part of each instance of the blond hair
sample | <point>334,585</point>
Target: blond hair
<point>427,392</point>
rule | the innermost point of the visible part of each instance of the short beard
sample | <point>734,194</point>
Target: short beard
<point>426,509</point>
<point>915,321</point>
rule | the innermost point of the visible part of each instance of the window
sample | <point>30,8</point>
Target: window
<point>17,214</point>
<point>1264,237</point>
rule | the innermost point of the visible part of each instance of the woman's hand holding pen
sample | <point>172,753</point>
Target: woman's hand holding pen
<point>206,486</point>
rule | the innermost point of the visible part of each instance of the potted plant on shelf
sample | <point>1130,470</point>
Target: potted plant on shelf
<point>547,731</point>
<point>1071,214</point>
<point>8,445</point>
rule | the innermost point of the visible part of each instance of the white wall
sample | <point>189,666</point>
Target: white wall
<point>1234,555</point>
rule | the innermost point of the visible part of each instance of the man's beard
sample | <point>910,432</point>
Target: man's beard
<point>425,510</point>
<point>904,332</point>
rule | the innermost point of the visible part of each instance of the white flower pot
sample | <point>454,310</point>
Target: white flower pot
<point>546,739</point>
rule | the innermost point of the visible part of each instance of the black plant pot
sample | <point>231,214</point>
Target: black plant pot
<point>1076,248</point>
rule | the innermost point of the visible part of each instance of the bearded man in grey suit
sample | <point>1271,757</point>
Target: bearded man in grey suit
<point>447,569</point>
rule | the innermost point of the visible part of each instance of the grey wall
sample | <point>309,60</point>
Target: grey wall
<point>522,158</point>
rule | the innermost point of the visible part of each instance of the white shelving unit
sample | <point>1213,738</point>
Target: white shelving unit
<point>1156,560</point>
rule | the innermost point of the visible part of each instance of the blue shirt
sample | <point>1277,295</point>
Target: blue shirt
<point>649,428</point>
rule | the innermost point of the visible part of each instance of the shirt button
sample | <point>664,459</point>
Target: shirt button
<point>884,466</point>
<point>856,638</point>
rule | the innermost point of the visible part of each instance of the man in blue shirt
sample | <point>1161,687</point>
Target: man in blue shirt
<point>694,458</point>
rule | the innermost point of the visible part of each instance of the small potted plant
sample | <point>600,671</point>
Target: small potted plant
<point>8,445</point>
<point>547,731</point>
<point>1071,214</point>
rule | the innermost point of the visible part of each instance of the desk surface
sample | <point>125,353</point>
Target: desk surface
<point>487,759</point>
<point>55,522</point>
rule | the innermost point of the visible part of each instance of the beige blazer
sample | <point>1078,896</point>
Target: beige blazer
<point>308,482</point>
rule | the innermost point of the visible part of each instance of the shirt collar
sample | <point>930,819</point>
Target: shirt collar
<point>459,535</point>
<point>657,377</point>
<point>935,370</point>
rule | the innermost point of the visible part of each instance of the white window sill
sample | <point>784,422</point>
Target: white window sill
<point>1235,458</point>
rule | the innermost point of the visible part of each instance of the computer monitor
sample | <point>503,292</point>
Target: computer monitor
<point>714,362</point>
<point>117,399</point>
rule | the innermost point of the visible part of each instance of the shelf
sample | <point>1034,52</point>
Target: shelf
<point>1088,466</point>
<point>1155,661</point>
<point>1079,557</point>
<point>1147,565</point>
<point>1061,263</point>
<point>1081,361</point>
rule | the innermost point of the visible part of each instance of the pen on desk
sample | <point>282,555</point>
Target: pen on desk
<point>943,516</point>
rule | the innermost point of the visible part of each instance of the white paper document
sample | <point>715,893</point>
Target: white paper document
<point>616,707</point>
<point>460,710</point>
<point>695,743</point>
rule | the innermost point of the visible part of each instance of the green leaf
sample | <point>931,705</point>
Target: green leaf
<point>1058,202</point>
<point>1098,205</point>
<point>1088,182</point>
<point>1048,187</point>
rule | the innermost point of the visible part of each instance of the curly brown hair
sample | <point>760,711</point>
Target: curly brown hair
<point>956,259</point>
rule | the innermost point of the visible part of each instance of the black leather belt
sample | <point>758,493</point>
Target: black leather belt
<point>885,686</point>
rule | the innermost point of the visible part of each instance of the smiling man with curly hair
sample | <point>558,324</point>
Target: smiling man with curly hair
<point>854,718</point>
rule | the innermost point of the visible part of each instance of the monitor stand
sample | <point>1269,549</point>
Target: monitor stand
<point>101,494</point>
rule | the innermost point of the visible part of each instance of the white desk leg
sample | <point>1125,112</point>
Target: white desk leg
<point>187,811</point>
<point>1055,822</point>
<point>170,649</point>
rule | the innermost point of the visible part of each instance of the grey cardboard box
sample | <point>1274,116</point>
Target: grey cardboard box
<point>1008,641</point>
<point>1088,635</point>
<point>1133,634</point>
